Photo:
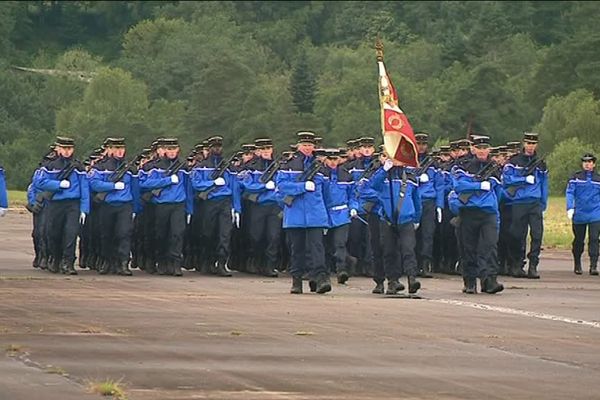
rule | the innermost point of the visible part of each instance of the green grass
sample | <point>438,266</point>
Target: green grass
<point>108,387</point>
<point>557,228</point>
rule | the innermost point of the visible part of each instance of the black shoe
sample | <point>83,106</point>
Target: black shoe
<point>351,265</point>
<point>532,272</point>
<point>43,263</point>
<point>312,285</point>
<point>177,269</point>
<point>342,277</point>
<point>296,286</point>
<point>68,268</point>
<point>490,285</point>
<point>394,286</point>
<point>123,269</point>
<point>578,270</point>
<point>517,271</point>
<point>221,269</point>
<point>36,262</point>
<point>270,272</point>
<point>323,284</point>
<point>378,289</point>
<point>470,285</point>
<point>427,269</point>
<point>593,269</point>
<point>54,266</point>
<point>413,285</point>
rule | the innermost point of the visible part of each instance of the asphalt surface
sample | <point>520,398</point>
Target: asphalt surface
<point>201,337</point>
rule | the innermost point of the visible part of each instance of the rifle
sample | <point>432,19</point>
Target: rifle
<point>62,175</point>
<point>528,170</point>
<point>373,167</point>
<point>118,174</point>
<point>268,175</point>
<point>307,175</point>
<point>174,168</point>
<point>218,173</point>
<point>428,162</point>
<point>483,175</point>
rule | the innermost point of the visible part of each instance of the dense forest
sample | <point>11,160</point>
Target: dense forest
<point>243,69</point>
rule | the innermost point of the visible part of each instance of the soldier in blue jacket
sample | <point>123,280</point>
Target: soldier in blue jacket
<point>304,217</point>
<point>68,204</point>
<point>115,206</point>
<point>166,183</point>
<point>528,203</point>
<point>221,208</point>
<point>583,209</point>
<point>3,194</point>
<point>400,214</point>
<point>338,191</point>
<point>478,219</point>
<point>264,212</point>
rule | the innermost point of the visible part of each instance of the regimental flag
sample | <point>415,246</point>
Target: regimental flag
<point>398,136</point>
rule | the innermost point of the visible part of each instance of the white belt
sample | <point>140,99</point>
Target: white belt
<point>338,208</point>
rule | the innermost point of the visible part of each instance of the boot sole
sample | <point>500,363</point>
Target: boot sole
<point>324,289</point>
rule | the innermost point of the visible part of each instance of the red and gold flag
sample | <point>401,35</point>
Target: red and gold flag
<point>398,136</point>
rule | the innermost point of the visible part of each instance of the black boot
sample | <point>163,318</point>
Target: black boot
<point>177,268</point>
<point>68,268</point>
<point>394,286</point>
<point>43,263</point>
<point>517,271</point>
<point>594,267</point>
<point>270,272</point>
<point>578,270</point>
<point>221,269</point>
<point>532,272</point>
<point>103,267</point>
<point>36,261</point>
<point>123,269</point>
<point>54,266</point>
<point>323,284</point>
<point>296,286</point>
<point>427,269</point>
<point>312,284</point>
<point>413,285</point>
<point>490,285</point>
<point>342,277</point>
<point>351,265</point>
<point>470,285</point>
<point>378,289</point>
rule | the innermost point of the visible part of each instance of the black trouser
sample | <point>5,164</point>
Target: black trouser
<point>359,244</point>
<point>336,240</point>
<point>308,254</point>
<point>39,234</point>
<point>450,251</point>
<point>504,249</point>
<point>149,245</point>
<point>265,232</point>
<point>398,244</point>
<point>169,228</point>
<point>116,227</point>
<point>579,231</point>
<point>479,237</point>
<point>217,227</point>
<point>425,232</point>
<point>526,216</point>
<point>63,228</point>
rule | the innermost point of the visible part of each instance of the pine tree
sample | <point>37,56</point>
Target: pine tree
<point>303,86</point>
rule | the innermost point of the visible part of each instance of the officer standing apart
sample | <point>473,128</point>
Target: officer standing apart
<point>583,209</point>
<point>115,200</point>
<point>479,219</point>
<point>525,180</point>
<point>304,216</point>
<point>3,195</point>
<point>68,206</point>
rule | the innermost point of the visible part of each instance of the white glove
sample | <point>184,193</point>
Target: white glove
<point>270,185</point>
<point>174,179</point>
<point>570,214</point>
<point>133,216</point>
<point>220,181</point>
<point>64,184</point>
<point>424,178</point>
<point>438,212</point>
<point>353,213</point>
<point>119,186</point>
<point>82,217</point>
<point>387,165</point>
<point>235,218</point>
<point>188,218</point>
<point>3,212</point>
<point>309,186</point>
<point>416,226</point>
<point>530,179</point>
<point>485,185</point>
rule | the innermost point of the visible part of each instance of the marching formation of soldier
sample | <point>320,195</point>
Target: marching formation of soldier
<point>312,211</point>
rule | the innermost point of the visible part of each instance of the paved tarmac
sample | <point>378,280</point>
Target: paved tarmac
<point>246,337</point>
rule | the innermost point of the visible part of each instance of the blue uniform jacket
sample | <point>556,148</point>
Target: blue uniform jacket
<point>338,191</point>
<point>201,179</point>
<point>411,207</point>
<point>100,181</point>
<point>47,181</point>
<point>512,174</point>
<point>250,182</point>
<point>583,195</point>
<point>365,195</point>
<point>308,208</point>
<point>465,181</point>
<point>3,193</point>
<point>153,176</point>
<point>433,189</point>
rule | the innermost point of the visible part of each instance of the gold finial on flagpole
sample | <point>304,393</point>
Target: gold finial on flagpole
<point>379,48</point>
